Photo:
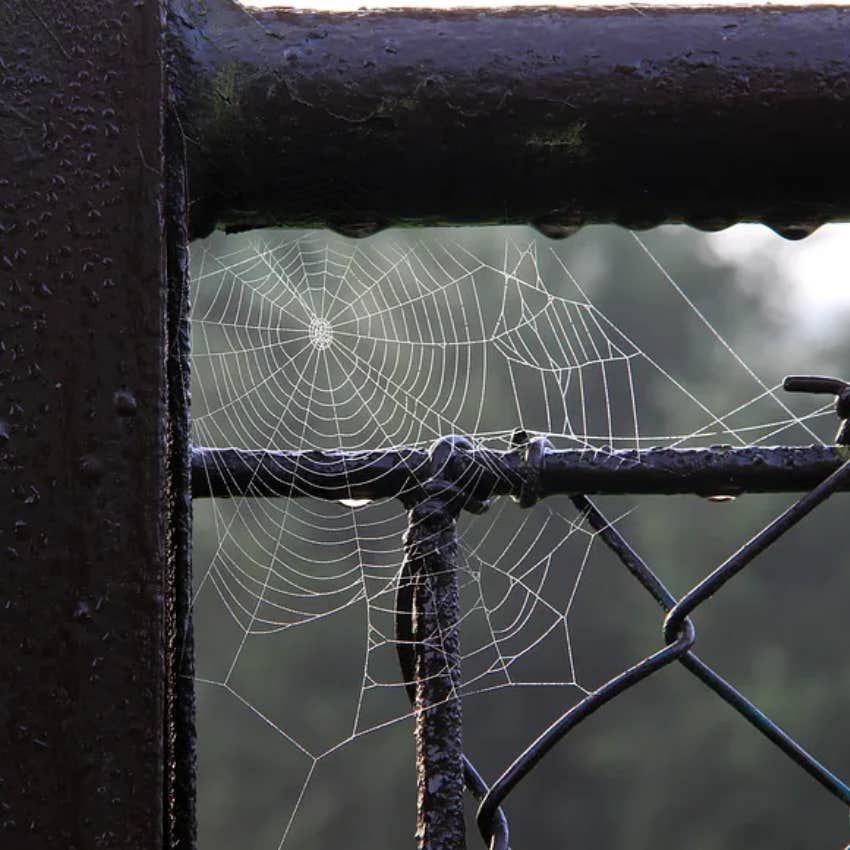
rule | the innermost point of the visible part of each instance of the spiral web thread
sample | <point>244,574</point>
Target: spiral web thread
<point>306,340</point>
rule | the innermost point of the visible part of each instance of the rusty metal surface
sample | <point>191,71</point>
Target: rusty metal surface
<point>83,470</point>
<point>554,116</point>
<point>384,474</point>
<point>180,749</point>
<point>430,551</point>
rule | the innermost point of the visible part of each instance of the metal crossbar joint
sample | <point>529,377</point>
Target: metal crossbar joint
<point>453,480</point>
<point>533,452</point>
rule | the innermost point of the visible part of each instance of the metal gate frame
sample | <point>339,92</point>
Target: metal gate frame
<point>109,109</point>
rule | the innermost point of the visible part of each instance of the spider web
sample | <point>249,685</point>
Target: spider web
<point>307,340</point>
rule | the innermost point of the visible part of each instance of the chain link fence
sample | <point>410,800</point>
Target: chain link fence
<point>436,485</point>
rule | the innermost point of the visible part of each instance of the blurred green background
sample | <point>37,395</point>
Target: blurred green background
<point>666,765</point>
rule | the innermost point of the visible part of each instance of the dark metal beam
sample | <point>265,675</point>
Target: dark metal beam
<point>558,116</point>
<point>180,750</point>
<point>90,454</point>
<point>720,470</point>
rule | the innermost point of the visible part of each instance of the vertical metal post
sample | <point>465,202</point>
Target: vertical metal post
<point>430,550</point>
<point>180,742</point>
<point>92,461</point>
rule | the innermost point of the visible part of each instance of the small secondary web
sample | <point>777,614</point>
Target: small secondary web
<point>311,341</point>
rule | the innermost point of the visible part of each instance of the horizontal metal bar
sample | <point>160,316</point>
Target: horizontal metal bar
<point>485,473</point>
<point>635,114</point>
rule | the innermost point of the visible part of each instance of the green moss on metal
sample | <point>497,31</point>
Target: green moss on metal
<point>571,140</point>
<point>224,91</point>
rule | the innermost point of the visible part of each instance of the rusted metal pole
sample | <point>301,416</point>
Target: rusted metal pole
<point>635,114</point>
<point>430,549</point>
<point>720,470</point>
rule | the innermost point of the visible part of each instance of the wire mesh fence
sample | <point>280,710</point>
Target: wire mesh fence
<point>437,484</point>
<point>345,394</point>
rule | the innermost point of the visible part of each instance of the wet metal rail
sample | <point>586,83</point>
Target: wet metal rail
<point>221,473</point>
<point>517,115</point>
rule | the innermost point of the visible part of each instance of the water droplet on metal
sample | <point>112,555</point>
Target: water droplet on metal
<point>355,503</point>
<point>91,467</point>
<point>555,230</point>
<point>125,403</point>
<point>356,229</point>
<point>82,613</point>
<point>794,232</point>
